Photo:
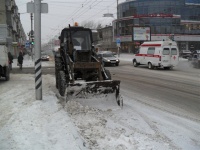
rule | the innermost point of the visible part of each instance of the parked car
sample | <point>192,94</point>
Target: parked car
<point>108,58</point>
<point>195,60</point>
<point>44,57</point>
<point>185,54</point>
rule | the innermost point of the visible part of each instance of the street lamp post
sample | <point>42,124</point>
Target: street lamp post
<point>31,35</point>
<point>117,8</point>
<point>37,8</point>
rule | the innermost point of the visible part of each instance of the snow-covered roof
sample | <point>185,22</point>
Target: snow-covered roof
<point>106,20</point>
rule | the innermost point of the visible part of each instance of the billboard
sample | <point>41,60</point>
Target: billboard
<point>141,34</point>
<point>192,2</point>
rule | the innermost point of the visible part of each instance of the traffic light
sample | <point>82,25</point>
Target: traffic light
<point>32,42</point>
<point>172,37</point>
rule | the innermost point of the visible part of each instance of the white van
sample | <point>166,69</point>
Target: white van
<point>4,66</point>
<point>157,54</point>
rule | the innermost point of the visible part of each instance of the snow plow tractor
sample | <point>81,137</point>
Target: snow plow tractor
<point>78,69</point>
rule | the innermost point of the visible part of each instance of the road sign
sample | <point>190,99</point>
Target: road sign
<point>27,45</point>
<point>31,7</point>
<point>118,42</point>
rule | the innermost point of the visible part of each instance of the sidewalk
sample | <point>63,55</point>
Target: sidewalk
<point>30,124</point>
<point>28,62</point>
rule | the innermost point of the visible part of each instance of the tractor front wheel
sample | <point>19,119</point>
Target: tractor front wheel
<point>7,73</point>
<point>58,67</point>
<point>62,83</point>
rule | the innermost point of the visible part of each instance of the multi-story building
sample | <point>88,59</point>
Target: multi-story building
<point>11,31</point>
<point>179,19</point>
<point>105,38</point>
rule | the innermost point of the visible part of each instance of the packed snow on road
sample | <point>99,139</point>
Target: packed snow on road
<point>87,121</point>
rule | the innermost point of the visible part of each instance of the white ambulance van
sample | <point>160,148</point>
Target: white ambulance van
<point>157,54</point>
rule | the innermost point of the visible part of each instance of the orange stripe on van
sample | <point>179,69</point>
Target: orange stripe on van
<point>151,45</point>
<point>148,55</point>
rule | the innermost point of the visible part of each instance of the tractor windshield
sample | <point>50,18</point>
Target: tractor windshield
<point>81,40</point>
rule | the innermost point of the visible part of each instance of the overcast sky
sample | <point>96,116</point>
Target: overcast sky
<point>64,12</point>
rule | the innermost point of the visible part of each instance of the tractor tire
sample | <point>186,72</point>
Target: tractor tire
<point>167,68</point>
<point>58,67</point>
<point>103,64</point>
<point>7,73</point>
<point>108,75</point>
<point>62,83</point>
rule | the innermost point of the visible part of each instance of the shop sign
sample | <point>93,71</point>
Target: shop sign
<point>192,2</point>
<point>141,34</point>
<point>152,15</point>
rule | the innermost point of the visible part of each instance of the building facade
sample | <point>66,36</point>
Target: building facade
<point>105,32</point>
<point>179,19</point>
<point>11,31</point>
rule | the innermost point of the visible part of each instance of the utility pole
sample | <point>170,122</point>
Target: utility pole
<point>117,8</point>
<point>37,48</point>
<point>31,34</point>
<point>37,8</point>
<point>118,40</point>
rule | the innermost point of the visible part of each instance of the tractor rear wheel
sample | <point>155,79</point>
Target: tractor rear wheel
<point>58,67</point>
<point>62,83</point>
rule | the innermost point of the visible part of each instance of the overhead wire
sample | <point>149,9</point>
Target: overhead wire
<point>99,12</point>
<point>83,6</point>
<point>89,8</point>
<point>75,12</point>
<point>83,9</point>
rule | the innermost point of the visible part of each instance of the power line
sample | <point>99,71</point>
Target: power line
<point>84,8</point>
<point>98,12</point>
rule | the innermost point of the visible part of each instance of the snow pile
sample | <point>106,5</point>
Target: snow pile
<point>28,124</point>
<point>96,127</point>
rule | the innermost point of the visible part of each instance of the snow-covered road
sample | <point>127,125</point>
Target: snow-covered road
<point>87,122</point>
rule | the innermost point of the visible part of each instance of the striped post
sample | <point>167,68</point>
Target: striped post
<point>37,38</point>
<point>38,79</point>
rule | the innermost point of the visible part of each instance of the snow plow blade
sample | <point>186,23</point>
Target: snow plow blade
<point>96,87</point>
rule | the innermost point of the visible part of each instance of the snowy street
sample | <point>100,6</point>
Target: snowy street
<point>148,121</point>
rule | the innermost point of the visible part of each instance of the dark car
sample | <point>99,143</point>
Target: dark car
<point>108,58</point>
<point>195,60</point>
<point>44,57</point>
<point>185,54</point>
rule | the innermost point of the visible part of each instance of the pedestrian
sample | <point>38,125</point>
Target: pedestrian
<point>10,58</point>
<point>20,60</point>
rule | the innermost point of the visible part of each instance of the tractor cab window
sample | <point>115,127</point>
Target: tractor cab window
<point>81,40</point>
